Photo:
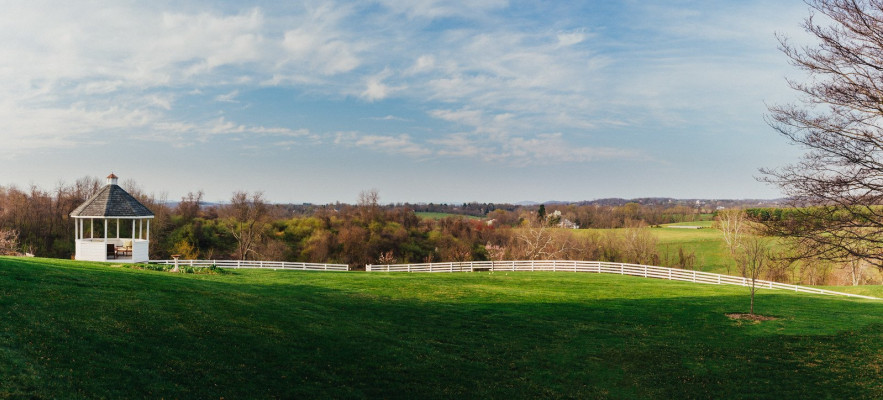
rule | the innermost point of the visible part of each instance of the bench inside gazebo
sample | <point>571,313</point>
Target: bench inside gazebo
<point>117,213</point>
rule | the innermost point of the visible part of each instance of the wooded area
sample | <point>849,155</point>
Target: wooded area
<point>249,227</point>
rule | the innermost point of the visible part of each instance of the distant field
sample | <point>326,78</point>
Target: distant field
<point>438,215</point>
<point>706,243</point>
<point>85,330</point>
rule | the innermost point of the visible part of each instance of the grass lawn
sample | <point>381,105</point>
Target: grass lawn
<point>85,330</point>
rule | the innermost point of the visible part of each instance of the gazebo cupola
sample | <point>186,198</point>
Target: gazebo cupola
<point>116,211</point>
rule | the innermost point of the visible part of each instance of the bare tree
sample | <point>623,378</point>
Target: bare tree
<point>386,258</point>
<point>246,221</point>
<point>837,187</point>
<point>640,245</point>
<point>8,242</point>
<point>190,205</point>
<point>495,252</point>
<point>753,258</point>
<point>369,206</point>
<point>537,242</point>
<point>856,268</point>
<point>732,223</point>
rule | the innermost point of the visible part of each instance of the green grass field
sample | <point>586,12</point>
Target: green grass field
<point>84,330</point>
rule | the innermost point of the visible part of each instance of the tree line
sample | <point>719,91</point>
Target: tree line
<point>37,221</point>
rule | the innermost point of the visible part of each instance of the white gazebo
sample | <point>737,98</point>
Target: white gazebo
<point>113,207</point>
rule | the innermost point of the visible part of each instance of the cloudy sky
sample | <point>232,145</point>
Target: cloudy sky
<point>423,100</point>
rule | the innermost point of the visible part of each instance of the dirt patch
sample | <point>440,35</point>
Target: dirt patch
<point>751,317</point>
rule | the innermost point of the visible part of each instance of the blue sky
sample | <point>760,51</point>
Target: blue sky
<point>423,100</point>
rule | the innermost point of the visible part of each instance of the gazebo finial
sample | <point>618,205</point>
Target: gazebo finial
<point>112,179</point>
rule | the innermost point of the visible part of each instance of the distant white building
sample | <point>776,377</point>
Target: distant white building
<point>564,222</point>
<point>112,204</point>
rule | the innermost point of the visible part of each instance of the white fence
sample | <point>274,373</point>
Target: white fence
<point>254,264</point>
<point>645,271</point>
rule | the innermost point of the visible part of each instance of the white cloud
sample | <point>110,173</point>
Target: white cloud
<point>443,8</point>
<point>323,55</point>
<point>375,90</point>
<point>399,144</point>
<point>461,145</point>
<point>570,38</point>
<point>464,116</point>
<point>228,97</point>
<point>424,63</point>
<point>389,118</point>
<point>553,149</point>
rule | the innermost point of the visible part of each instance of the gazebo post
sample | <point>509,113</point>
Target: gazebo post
<point>105,238</point>
<point>91,228</point>
<point>133,230</point>
<point>148,230</point>
<point>118,228</point>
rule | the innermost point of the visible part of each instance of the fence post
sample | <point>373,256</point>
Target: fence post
<point>669,274</point>
<point>430,267</point>
<point>553,265</point>
<point>531,265</point>
<point>718,279</point>
<point>645,271</point>
<point>694,276</point>
<point>409,267</point>
<point>621,269</point>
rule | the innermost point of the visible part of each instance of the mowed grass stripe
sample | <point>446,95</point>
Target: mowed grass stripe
<point>80,330</point>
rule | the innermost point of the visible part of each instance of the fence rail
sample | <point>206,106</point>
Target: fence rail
<point>646,271</point>
<point>254,264</point>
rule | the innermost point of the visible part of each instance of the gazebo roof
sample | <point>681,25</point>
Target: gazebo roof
<point>112,201</point>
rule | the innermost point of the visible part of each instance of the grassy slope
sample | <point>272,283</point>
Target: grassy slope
<point>79,330</point>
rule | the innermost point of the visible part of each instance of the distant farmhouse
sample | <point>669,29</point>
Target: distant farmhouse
<point>564,222</point>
